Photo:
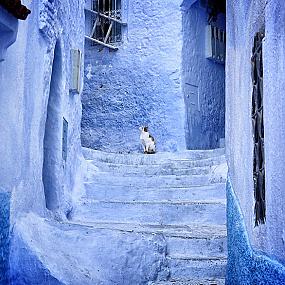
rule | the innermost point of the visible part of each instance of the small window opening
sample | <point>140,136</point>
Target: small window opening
<point>215,44</point>
<point>106,23</point>
<point>258,129</point>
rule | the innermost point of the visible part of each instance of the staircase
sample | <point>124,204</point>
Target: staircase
<point>179,197</point>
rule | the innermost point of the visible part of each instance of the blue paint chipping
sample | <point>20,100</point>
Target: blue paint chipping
<point>5,198</point>
<point>245,266</point>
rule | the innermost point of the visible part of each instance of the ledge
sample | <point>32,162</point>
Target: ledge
<point>8,31</point>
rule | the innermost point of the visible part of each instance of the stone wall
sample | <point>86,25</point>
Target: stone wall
<point>140,84</point>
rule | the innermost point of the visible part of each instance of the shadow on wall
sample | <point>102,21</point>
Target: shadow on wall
<point>52,165</point>
<point>203,77</point>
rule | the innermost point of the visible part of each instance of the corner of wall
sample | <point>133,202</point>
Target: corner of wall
<point>246,266</point>
<point>5,198</point>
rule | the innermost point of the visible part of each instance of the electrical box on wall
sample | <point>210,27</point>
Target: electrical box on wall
<point>215,44</point>
<point>76,61</point>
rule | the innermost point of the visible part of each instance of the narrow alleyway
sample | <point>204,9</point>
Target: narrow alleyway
<point>175,201</point>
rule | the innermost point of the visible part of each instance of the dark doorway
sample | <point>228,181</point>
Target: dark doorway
<point>52,164</point>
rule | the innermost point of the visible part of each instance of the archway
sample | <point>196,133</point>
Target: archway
<point>52,163</point>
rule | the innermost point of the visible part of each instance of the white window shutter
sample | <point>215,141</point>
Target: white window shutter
<point>76,61</point>
<point>215,44</point>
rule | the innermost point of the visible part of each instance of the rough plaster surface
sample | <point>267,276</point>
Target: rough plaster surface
<point>4,235</point>
<point>24,107</point>
<point>274,116</point>
<point>25,78</point>
<point>207,120</point>
<point>268,238</point>
<point>140,84</point>
<point>84,255</point>
<point>246,266</point>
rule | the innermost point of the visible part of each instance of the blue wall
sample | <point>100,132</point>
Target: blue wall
<point>246,266</point>
<point>4,235</point>
<point>25,76</point>
<point>244,19</point>
<point>8,35</point>
<point>207,121</point>
<point>140,84</point>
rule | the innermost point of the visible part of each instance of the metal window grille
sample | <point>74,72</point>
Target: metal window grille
<point>258,130</point>
<point>106,22</point>
<point>215,44</point>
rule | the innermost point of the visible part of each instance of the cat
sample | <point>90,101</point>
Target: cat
<point>147,141</point>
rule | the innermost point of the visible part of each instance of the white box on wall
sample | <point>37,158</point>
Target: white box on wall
<point>76,61</point>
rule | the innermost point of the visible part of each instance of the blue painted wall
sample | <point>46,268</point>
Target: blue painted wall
<point>207,120</point>
<point>8,35</point>
<point>140,84</point>
<point>5,198</point>
<point>25,77</point>
<point>246,266</point>
<point>244,19</point>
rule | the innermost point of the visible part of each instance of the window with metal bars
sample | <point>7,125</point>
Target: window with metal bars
<point>258,129</point>
<point>106,22</point>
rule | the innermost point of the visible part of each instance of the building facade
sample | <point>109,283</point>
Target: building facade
<point>255,135</point>
<point>161,64</point>
<point>40,122</point>
<point>137,85</point>
<point>155,77</point>
<point>203,78</point>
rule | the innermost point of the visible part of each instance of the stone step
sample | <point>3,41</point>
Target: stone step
<point>200,281</point>
<point>182,213</point>
<point>183,267</point>
<point>138,158</point>
<point>174,165</point>
<point>194,239</point>
<point>155,194</point>
<point>128,170</point>
<point>153,181</point>
<point>210,246</point>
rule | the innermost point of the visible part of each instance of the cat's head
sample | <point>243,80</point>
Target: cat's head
<point>143,129</point>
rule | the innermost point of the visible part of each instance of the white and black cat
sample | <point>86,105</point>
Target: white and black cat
<point>147,140</point>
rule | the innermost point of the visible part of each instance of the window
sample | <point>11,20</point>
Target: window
<point>215,44</point>
<point>106,23</point>
<point>258,129</point>
<point>76,61</point>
